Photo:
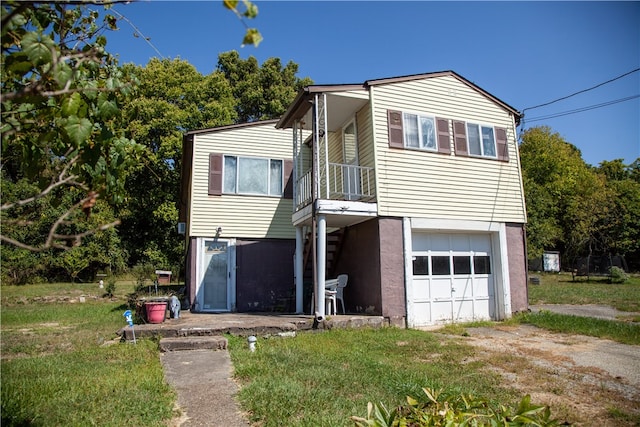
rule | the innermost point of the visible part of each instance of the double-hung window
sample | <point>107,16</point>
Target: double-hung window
<point>481,139</point>
<point>419,132</point>
<point>252,175</point>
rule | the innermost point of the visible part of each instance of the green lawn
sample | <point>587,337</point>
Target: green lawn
<point>57,368</point>
<point>561,289</point>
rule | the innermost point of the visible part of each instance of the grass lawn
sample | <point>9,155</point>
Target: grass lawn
<point>561,289</point>
<point>322,379</point>
<point>58,369</point>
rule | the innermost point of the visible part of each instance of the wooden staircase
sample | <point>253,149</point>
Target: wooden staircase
<point>334,247</point>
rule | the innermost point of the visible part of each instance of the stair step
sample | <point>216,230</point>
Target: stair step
<point>193,343</point>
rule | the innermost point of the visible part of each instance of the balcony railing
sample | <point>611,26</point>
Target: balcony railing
<point>345,182</point>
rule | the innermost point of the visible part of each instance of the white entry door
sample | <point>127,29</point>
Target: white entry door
<point>351,172</point>
<point>214,286</point>
<point>452,279</point>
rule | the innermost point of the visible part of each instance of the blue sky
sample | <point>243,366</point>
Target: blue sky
<point>525,53</point>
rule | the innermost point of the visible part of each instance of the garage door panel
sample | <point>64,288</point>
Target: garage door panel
<point>441,311</point>
<point>421,286</point>
<point>453,278</point>
<point>441,288</point>
<point>463,310</point>
<point>482,287</point>
<point>462,287</point>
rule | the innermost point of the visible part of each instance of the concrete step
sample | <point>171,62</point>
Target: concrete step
<point>193,343</point>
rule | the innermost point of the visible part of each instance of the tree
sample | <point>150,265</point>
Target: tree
<point>61,93</point>
<point>262,92</point>
<point>620,228</point>
<point>565,197</point>
<point>61,98</point>
<point>173,97</point>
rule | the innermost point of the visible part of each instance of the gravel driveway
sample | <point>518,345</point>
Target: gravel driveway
<point>585,380</point>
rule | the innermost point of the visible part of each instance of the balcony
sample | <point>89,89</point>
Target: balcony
<point>348,195</point>
<point>346,182</point>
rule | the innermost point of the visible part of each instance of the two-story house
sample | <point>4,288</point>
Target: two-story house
<point>410,185</point>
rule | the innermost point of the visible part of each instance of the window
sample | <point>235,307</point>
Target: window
<point>420,265</point>
<point>481,140</point>
<point>419,132</point>
<point>422,132</point>
<point>481,264</point>
<point>441,265</point>
<point>252,175</point>
<point>461,264</point>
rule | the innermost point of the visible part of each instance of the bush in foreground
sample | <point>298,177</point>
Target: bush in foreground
<point>460,410</point>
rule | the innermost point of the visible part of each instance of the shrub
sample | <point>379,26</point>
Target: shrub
<point>617,275</point>
<point>439,410</point>
<point>111,287</point>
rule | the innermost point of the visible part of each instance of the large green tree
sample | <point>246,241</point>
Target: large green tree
<point>564,195</point>
<point>64,146</point>
<point>576,208</point>
<point>61,94</point>
<point>261,92</point>
<point>620,227</point>
<point>173,97</point>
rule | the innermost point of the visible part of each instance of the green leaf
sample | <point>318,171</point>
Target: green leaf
<point>252,10</point>
<point>106,107</point>
<point>78,130</point>
<point>62,72</point>
<point>71,105</point>
<point>230,4</point>
<point>37,49</point>
<point>253,37</point>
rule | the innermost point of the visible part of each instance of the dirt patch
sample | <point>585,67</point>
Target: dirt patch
<point>587,381</point>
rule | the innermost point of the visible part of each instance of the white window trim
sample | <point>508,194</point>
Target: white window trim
<point>420,147</point>
<point>269,160</point>
<point>480,126</point>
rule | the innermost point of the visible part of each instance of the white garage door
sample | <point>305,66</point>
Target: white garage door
<point>452,278</point>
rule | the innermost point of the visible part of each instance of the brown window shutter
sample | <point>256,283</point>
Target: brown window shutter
<point>460,138</point>
<point>288,179</point>
<point>215,174</point>
<point>396,133</point>
<point>444,140</point>
<point>502,146</point>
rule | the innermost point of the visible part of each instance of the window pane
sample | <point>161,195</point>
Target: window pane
<point>275,178</point>
<point>474,139</point>
<point>420,265</point>
<point>253,175</point>
<point>229,174</point>
<point>482,265</point>
<point>428,133</point>
<point>488,142</point>
<point>411,130</point>
<point>440,265</point>
<point>461,265</point>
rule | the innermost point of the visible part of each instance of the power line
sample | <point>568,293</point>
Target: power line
<point>580,110</point>
<point>582,91</point>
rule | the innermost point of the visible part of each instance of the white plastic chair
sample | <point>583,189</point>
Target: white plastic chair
<point>342,283</point>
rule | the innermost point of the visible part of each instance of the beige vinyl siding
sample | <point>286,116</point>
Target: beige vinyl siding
<point>432,185</point>
<point>240,215</point>
<point>365,137</point>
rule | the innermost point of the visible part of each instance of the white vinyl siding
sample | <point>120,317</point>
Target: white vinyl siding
<point>420,184</point>
<point>239,216</point>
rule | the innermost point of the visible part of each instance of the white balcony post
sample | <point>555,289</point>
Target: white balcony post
<point>322,265</point>
<point>299,269</point>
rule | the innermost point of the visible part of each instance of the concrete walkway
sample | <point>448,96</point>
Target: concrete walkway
<point>206,392</point>
<point>197,365</point>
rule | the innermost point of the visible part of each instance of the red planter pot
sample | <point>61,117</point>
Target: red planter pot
<point>156,311</point>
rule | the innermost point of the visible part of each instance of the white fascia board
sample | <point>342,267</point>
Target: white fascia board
<point>343,207</point>
<point>455,225</point>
